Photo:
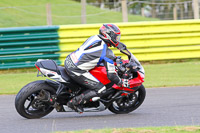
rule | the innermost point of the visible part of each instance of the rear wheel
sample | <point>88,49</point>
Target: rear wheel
<point>129,103</point>
<point>27,104</point>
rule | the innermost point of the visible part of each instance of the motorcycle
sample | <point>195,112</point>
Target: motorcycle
<point>39,98</point>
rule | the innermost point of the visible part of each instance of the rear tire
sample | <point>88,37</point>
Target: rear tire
<point>115,108</point>
<point>27,94</point>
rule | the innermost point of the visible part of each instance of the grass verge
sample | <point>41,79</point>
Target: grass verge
<point>157,75</point>
<point>187,129</point>
<point>33,13</point>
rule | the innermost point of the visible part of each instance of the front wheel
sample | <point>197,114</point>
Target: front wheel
<point>129,103</point>
<point>26,102</point>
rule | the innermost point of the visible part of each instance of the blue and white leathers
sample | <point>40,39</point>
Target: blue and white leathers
<point>91,53</point>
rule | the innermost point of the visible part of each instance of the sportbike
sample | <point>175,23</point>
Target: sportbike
<point>39,98</point>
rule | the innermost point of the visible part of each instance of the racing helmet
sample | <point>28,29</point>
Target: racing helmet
<point>111,34</point>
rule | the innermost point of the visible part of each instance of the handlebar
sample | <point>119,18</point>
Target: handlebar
<point>125,69</point>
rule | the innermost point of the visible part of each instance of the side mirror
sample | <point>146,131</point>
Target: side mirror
<point>121,46</point>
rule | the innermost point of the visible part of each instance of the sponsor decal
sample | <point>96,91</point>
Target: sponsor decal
<point>69,63</point>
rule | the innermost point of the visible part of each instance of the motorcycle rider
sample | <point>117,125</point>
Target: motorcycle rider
<point>91,53</point>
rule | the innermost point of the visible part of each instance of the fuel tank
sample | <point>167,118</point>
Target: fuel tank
<point>100,74</point>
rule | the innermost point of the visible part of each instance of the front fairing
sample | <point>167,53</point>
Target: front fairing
<point>101,74</point>
<point>134,83</point>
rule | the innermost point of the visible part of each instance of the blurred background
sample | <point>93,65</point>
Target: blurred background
<point>62,12</point>
<point>164,35</point>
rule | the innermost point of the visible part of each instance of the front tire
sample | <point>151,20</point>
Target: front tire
<point>25,97</point>
<point>130,103</point>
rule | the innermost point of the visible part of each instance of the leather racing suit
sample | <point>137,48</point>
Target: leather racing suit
<point>91,53</point>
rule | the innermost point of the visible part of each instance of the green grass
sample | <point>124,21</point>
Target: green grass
<point>157,75</point>
<point>33,13</point>
<point>188,129</point>
<point>11,83</point>
<point>175,74</point>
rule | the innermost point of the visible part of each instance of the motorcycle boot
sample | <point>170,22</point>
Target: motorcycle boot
<point>77,102</point>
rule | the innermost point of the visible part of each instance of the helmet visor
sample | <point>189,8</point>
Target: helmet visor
<point>118,38</point>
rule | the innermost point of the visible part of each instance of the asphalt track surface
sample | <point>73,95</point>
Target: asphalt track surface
<point>162,107</point>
